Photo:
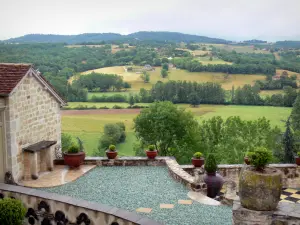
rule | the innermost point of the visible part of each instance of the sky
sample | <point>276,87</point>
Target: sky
<point>236,20</point>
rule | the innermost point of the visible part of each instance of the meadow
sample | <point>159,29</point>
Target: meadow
<point>175,74</point>
<point>88,125</point>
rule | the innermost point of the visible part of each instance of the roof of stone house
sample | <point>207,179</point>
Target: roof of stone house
<point>11,74</point>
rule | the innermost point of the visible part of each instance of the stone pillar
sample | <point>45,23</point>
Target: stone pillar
<point>34,166</point>
<point>49,158</point>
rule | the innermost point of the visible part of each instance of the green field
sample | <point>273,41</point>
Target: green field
<point>72,105</point>
<point>89,127</point>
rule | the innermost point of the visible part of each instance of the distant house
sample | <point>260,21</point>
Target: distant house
<point>171,66</point>
<point>148,67</point>
<point>276,77</point>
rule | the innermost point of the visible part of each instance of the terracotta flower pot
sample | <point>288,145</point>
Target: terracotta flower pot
<point>151,154</point>
<point>73,159</point>
<point>198,162</point>
<point>214,183</point>
<point>111,154</point>
<point>260,191</point>
<point>297,158</point>
<point>246,160</point>
<point>82,157</point>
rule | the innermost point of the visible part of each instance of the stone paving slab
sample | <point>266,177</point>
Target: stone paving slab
<point>144,210</point>
<point>185,202</point>
<point>203,199</point>
<point>60,175</point>
<point>166,206</point>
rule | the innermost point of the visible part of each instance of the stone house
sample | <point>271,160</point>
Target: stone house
<point>30,124</point>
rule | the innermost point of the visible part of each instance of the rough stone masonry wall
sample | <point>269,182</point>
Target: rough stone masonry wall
<point>33,115</point>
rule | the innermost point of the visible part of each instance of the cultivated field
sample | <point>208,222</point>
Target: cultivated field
<point>174,74</point>
<point>88,124</point>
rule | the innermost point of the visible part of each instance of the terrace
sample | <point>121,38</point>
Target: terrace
<point>158,191</point>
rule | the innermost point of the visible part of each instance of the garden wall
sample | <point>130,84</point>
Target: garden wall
<point>45,208</point>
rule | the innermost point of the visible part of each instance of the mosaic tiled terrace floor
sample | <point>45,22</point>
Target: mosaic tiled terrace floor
<point>149,191</point>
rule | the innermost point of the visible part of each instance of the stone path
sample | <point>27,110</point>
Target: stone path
<point>59,176</point>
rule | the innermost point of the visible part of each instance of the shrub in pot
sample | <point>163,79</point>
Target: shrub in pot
<point>73,157</point>
<point>197,159</point>
<point>151,152</point>
<point>12,211</point>
<point>111,153</point>
<point>297,158</point>
<point>81,149</point>
<point>214,181</point>
<point>259,186</point>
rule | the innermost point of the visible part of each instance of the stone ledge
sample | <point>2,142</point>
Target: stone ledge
<point>120,213</point>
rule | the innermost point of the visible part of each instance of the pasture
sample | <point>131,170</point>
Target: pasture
<point>175,74</point>
<point>89,124</point>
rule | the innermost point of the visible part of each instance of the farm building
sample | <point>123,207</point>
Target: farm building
<point>148,67</point>
<point>30,125</point>
<point>276,77</point>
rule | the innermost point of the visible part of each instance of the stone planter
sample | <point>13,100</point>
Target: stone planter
<point>198,162</point>
<point>111,154</point>
<point>297,159</point>
<point>214,183</point>
<point>151,154</point>
<point>73,160</point>
<point>260,190</point>
<point>246,160</point>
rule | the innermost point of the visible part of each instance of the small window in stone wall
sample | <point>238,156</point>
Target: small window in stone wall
<point>114,223</point>
<point>28,97</point>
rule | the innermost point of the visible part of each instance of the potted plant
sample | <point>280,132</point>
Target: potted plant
<point>297,158</point>
<point>197,159</point>
<point>151,152</point>
<point>12,211</point>
<point>214,181</point>
<point>81,149</point>
<point>259,186</point>
<point>73,157</point>
<point>111,153</point>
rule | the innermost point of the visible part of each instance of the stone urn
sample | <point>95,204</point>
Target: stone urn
<point>214,183</point>
<point>260,190</point>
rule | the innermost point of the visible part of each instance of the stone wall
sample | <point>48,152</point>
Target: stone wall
<point>49,208</point>
<point>33,115</point>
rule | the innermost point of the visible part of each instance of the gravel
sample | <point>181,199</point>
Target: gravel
<point>147,187</point>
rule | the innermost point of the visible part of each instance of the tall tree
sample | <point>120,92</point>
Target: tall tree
<point>288,143</point>
<point>295,115</point>
<point>194,99</point>
<point>164,73</point>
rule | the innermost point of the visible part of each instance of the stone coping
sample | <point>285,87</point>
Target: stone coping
<point>123,214</point>
<point>237,166</point>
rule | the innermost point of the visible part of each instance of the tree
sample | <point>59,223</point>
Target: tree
<point>131,101</point>
<point>127,85</point>
<point>288,144</point>
<point>295,115</point>
<point>194,99</point>
<point>165,66</point>
<point>164,60</point>
<point>164,73</point>
<point>170,129</point>
<point>284,74</point>
<point>145,77</point>
<point>211,58</point>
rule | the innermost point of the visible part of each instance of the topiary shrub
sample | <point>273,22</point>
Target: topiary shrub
<point>197,155</point>
<point>260,157</point>
<point>73,149</point>
<point>112,148</point>
<point>12,212</point>
<point>151,147</point>
<point>211,164</point>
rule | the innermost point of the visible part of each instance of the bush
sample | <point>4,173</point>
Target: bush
<point>151,147</point>
<point>112,98</point>
<point>12,211</point>
<point>197,155</point>
<point>298,154</point>
<point>103,107</point>
<point>73,149</point>
<point>66,142</point>
<point>260,157</point>
<point>117,107</point>
<point>112,148</point>
<point>210,164</point>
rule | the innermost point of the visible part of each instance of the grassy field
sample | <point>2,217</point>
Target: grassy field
<point>89,127</point>
<point>239,49</point>
<point>174,74</point>
<point>206,61</point>
<point>265,93</point>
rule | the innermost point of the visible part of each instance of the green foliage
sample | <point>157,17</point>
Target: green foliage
<point>194,99</point>
<point>80,144</point>
<point>113,133</point>
<point>151,147</point>
<point>131,100</point>
<point>210,164</point>
<point>288,143</point>
<point>73,149</point>
<point>12,212</point>
<point>295,115</point>
<point>112,148</point>
<point>164,73</point>
<point>111,98</point>
<point>260,157</point>
<point>230,139</point>
<point>298,154</point>
<point>165,67</point>
<point>172,130</point>
<point>145,77</point>
<point>247,95</point>
<point>197,155</point>
<point>66,141</point>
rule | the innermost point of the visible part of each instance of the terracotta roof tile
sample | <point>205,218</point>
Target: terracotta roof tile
<point>10,76</point>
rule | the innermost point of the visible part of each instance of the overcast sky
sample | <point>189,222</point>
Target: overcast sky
<point>231,19</point>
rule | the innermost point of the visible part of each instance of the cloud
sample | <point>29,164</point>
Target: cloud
<point>232,19</point>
